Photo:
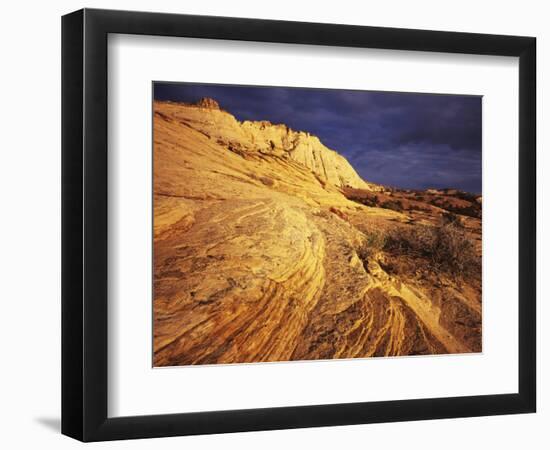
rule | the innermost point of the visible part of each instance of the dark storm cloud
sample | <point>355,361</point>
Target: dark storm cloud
<point>401,139</point>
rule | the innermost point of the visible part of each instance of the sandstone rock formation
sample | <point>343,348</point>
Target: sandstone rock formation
<point>208,103</point>
<point>268,139</point>
<point>259,251</point>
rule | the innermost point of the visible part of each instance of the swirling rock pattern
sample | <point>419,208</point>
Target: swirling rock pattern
<point>256,253</point>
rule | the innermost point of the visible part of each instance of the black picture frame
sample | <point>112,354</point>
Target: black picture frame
<point>84,224</point>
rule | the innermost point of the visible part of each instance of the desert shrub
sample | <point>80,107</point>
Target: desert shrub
<point>363,197</point>
<point>395,205</point>
<point>471,210</point>
<point>466,196</point>
<point>375,241</point>
<point>474,210</point>
<point>441,248</point>
<point>371,201</point>
<point>421,208</point>
<point>397,266</point>
<point>445,247</point>
<point>452,218</point>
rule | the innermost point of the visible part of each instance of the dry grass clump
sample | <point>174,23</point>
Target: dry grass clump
<point>452,218</point>
<point>445,247</point>
<point>394,205</point>
<point>375,241</point>
<point>442,248</point>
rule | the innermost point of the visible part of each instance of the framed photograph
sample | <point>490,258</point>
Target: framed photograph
<point>273,225</point>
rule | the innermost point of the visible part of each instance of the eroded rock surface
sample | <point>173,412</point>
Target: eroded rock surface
<point>257,252</point>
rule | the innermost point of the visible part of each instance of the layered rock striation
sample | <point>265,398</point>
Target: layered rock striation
<point>268,139</point>
<point>259,254</point>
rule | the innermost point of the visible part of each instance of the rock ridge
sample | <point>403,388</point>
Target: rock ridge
<point>266,138</point>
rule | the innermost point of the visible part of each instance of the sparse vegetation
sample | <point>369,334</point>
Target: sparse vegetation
<point>474,210</point>
<point>452,218</point>
<point>394,205</point>
<point>362,196</point>
<point>374,242</point>
<point>458,205</point>
<point>444,248</point>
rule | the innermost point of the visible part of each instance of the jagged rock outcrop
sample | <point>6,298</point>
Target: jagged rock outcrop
<point>269,139</point>
<point>208,103</point>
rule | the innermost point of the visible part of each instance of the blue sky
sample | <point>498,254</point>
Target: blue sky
<point>407,140</point>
